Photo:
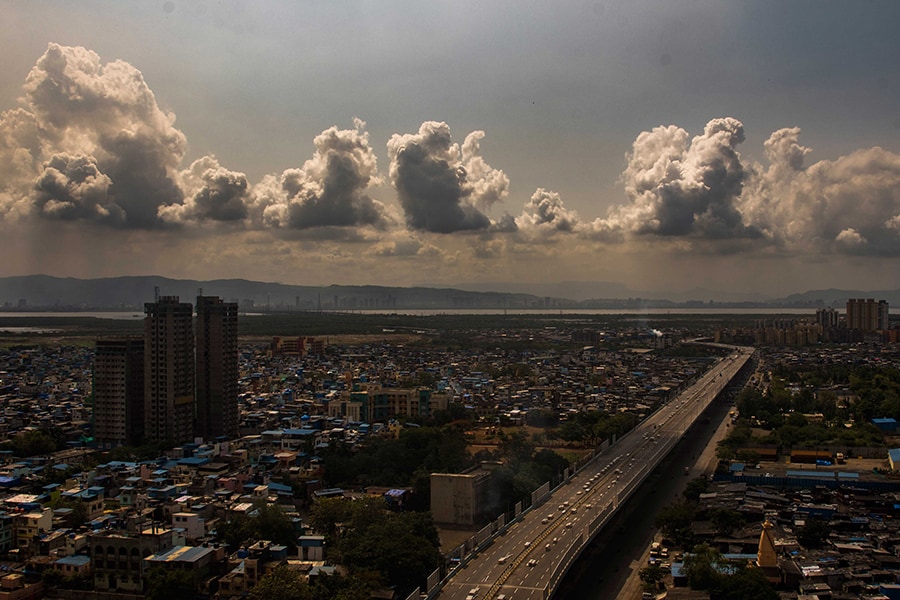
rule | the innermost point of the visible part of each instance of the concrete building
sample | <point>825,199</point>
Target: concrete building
<point>30,524</point>
<point>217,368</point>
<point>371,403</point>
<point>867,315</point>
<point>117,557</point>
<point>168,371</point>
<point>118,386</point>
<point>460,499</point>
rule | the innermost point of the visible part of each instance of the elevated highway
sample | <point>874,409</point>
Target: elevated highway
<point>528,559</point>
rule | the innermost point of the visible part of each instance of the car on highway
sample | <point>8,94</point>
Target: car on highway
<point>532,562</point>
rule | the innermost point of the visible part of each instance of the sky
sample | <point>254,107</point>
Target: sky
<point>748,148</point>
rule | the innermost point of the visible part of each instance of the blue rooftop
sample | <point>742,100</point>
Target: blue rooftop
<point>77,560</point>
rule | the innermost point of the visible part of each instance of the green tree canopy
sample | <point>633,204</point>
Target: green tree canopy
<point>170,584</point>
<point>283,583</point>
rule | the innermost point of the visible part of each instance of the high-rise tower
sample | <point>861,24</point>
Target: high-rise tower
<point>867,315</point>
<point>168,370</point>
<point>118,416</point>
<point>217,368</point>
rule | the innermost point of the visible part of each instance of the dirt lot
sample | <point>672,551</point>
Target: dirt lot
<point>864,466</point>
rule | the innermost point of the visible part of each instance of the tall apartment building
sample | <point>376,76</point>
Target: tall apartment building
<point>867,315</point>
<point>217,368</point>
<point>118,391</point>
<point>828,318</point>
<point>168,371</point>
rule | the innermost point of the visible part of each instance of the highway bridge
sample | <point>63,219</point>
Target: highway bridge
<point>527,559</point>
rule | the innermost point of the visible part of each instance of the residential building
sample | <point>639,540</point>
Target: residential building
<point>217,368</point>
<point>117,557</point>
<point>168,371</point>
<point>867,315</point>
<point>372,402</point>
<point>118,375</point>
<point>30,524</point>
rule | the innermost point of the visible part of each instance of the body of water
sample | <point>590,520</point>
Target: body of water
<point>58,314</point>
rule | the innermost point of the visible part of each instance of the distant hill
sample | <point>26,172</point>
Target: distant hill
<point>838,298</point>
<point>34,292</point>
<point>130,293</point>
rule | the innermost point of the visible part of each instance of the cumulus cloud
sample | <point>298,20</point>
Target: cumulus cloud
<point>329,190</point>
<point>678,189</point>
<point>443,188</point>
<point>93,142</point>
<point>849,204</point>
<point>212,193</point>
<point>73,187</point>
<point>851,238</point>
<point>545,212</point>
<point>701,194</point>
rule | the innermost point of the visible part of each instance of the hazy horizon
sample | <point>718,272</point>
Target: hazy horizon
<point>748,148</point>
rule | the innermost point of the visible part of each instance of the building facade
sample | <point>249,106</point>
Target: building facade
<point>168,371</point>
<point>217,368</point>
<point>118,389</point>
<point>867,314</point>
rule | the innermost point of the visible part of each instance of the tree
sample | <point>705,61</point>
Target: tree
<point>269,522</point>
<point>675,519</point>
<point>726,520</point>
<point>695,487</point>
<point>402,548</point>
<point>31,443</point>
<point>745,582</point>
<point>283,583</point>
<point>651,576</point>
<point>266,522</point>
<point>170,584</point>
<point>813,534</point>
<point>702,567</point>
<point>745,455</point>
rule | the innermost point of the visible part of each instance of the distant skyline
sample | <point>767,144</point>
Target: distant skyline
<point>745,147</point>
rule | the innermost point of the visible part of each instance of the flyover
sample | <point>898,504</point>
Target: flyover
<point>528,558</point>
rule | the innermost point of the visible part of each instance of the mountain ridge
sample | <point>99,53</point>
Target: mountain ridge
<point>130,292</point>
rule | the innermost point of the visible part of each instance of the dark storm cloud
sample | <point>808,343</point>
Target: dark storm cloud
<point>439,185</point>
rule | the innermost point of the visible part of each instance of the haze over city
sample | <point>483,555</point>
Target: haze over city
<point>752,147</point>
